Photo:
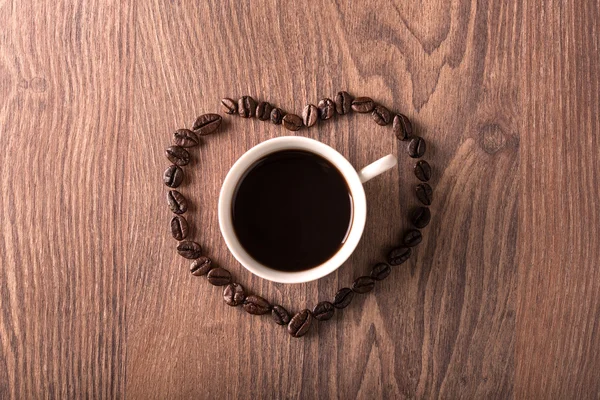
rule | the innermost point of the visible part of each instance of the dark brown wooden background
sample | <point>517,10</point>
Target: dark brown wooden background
<point>501,300</point>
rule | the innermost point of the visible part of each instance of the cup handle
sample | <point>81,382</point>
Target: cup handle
<point>378,167</point>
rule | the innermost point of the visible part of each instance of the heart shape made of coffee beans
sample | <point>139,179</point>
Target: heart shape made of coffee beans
<point>234,293</point>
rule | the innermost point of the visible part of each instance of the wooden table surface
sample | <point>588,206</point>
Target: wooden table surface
<point>500,300</point>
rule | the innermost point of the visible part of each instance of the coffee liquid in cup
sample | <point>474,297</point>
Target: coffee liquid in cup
<point>292,210</point>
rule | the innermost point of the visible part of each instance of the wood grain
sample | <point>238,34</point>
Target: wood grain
<point>66,80</point>
<point>559,281</point>
<point>501,300</point>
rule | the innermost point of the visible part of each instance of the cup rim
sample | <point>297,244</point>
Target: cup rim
<point>239,168</point>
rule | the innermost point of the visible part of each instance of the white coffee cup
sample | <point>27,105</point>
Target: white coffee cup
<point>354,180</point>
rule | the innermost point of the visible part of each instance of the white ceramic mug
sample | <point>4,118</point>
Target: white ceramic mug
<point>354,180</point>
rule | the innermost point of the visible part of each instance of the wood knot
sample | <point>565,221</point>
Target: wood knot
<point>38,84</point>
<point>491,138</point>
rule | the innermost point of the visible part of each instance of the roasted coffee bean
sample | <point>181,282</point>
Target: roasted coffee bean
<point>207,124</point>
<point>276,116</point>
<point>256,305</point>
<point>326,108</point>
<point>380,271</point>
<point>402,127</point>
<point>190,250</point>
<point>424,193</point>
<point>292,122</point>
<point>218,276</point>
<point>381,115</point>
<point>416,147</point>
<point>234,294</point>
<point>280,315</point>
<point>323,311</point>
<point>179,227</point>
<point>310,115</point>
<point>178,155</point>
<point>363,104</point>
<point>173,176</point>
<point>246,107</point>
<point>300,323</point>
<point>343,298</point>
<point>185,138</point>
<point>420,217</point>
<point>229,105</point>
<point>343,103</point>
<point>363,284</point>
<point>423,170</point>
<point>177,203</point>
<point>412,238</point>
<point>201,265</point>
<point>399,255</point>
<point>263,111</point>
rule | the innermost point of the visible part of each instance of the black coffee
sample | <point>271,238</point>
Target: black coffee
<point>292,210</point>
